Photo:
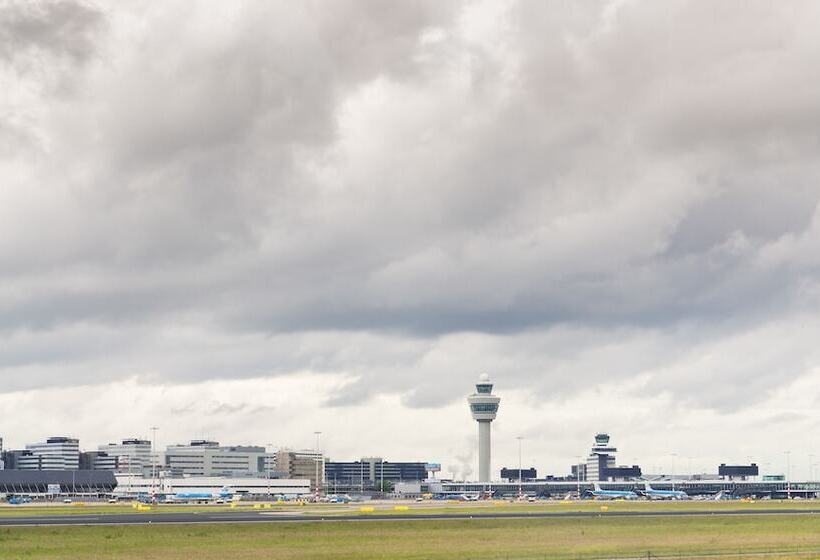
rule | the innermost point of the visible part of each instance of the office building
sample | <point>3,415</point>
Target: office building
<point>484,407</point>
<point>300,465</point>
<point>133,455</point>
<point>21,459</point>
<point>56,454</point>
<point>98,461</point>
<point>367,473</point>
<point>208,458</point>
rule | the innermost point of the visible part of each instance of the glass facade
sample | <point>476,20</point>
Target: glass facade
<point>484,388</point>
<point>484,407</point>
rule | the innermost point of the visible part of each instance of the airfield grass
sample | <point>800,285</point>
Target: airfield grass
<point>419,509</point>
<point>781,536</point>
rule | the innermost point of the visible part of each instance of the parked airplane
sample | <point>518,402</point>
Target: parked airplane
<point>469,497</point>
<point>653,494</point>
<point>613,494</point>
<point>336,499</point>
<point>223,494</point>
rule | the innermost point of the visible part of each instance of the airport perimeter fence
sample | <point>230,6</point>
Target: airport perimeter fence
<point>779,553</point>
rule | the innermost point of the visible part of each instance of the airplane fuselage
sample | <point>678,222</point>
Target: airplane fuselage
<point>614,495</point>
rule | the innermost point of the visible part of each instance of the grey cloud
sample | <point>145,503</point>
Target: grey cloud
<point>411,194</point>
<point>60,28</point>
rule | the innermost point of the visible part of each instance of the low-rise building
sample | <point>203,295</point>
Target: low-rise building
<point>251,487</point>
<point>52,483</point>
<point>301,464</point>
<point>369,473</point>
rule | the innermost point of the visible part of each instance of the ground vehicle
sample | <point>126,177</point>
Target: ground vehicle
<point>16,501</point>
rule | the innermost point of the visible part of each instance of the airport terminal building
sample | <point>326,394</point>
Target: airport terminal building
<point>131,486</point>
<point>779,489</point>
<point>53,483</point>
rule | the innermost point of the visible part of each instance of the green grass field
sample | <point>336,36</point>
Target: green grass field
<point>571,538</point>
<point>421,509</point>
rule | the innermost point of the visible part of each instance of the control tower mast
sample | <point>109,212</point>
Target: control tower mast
<point>483,407</point>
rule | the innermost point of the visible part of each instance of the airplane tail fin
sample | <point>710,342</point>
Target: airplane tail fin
<point>597,487</point>
<point>647,486</point>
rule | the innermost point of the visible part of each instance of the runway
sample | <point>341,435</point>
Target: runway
<point>266,517</point>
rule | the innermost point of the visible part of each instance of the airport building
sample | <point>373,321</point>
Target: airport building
<point>303,464</point>
<point>369,472</point>
<point>484,408</point>
<point>600,464</point>
<point>208,458</point>
<point>778,489</point>
<point>741,472</point>
<point>98,461</point>
<point>55,454</point>
<point>133,455</point>
<point>512,475</point>
<point>53,483</point>
<point>21,459</point>
<point>131,486</point>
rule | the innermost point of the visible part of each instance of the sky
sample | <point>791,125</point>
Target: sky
<point>252,221</point>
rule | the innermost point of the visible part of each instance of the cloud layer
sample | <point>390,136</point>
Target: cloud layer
<point>566,196</point>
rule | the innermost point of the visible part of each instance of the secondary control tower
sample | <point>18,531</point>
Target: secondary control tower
<point>483,407</point>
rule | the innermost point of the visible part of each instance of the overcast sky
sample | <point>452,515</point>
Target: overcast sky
<point>253,220</point>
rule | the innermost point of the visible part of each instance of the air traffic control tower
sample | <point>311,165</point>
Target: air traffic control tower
<point>483,407</point>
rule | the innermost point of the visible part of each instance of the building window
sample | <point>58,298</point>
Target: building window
<point>482,407</point>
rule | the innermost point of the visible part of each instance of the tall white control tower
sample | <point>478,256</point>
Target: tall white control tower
<point>483,407</point>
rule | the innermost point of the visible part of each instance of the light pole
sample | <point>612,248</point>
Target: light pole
<point>153,461</point>
<point>520,493</point>
<point>788,474</point>
<point>674,455</point>
<point>318,458</point>
<point>578,475</point>
<point>267,466</point>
